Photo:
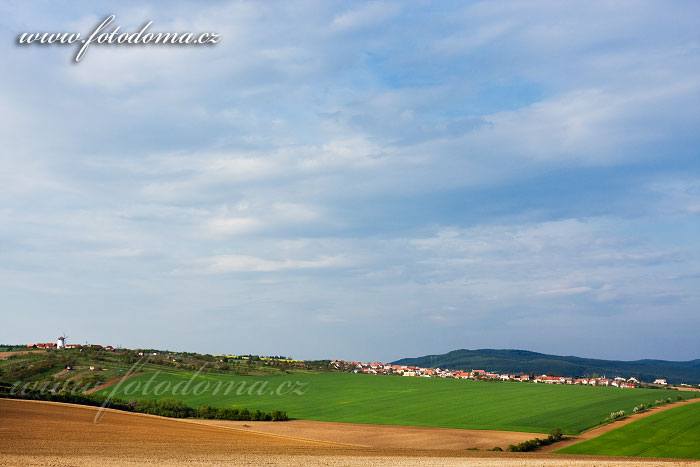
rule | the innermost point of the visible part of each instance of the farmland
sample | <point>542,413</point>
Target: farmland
<point>672,433</point>
<point>45,433</point>
<point>392,400</point>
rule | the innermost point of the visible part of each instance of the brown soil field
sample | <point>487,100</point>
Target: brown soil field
<point>384,436</point>
<point>595,432</point>
<point>18,352</point>
<point>43,433</point>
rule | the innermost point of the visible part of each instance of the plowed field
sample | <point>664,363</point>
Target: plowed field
<point>42,433</point>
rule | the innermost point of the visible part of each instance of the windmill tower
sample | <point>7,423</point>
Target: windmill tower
<point>61,344</point>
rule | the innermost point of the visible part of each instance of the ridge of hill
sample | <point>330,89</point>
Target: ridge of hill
<point>525,361</point>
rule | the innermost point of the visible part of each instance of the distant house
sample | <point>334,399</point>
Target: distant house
<point>550,379</point>
<point>660,381</point>
<point>628,385</point>
<point>46,345</point>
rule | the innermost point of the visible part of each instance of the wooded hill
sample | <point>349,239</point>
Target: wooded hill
<point>524,361</point>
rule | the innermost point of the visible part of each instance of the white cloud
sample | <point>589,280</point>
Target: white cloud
<point>566,291</point>
<point>376,160</point>
<point>295,212</point>
<point>232,225</point>
<point>241,263</point>
<point>364,16</point>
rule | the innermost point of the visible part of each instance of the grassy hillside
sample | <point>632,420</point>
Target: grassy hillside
<point>532,362</point>
<point>396,400</point>
<point>673,433</point>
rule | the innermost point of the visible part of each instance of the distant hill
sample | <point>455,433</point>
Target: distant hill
<point>523,361</point>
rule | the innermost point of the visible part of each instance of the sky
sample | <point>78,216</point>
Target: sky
<point>355,180</point>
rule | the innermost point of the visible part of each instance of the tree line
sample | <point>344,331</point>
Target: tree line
<point>167,407</point>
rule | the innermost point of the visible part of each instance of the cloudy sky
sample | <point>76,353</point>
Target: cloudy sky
<point>359,180</point>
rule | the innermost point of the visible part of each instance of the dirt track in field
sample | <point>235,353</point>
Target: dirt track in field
<point>43,433</point>
<point>595,432</point>
<point>113,382</point>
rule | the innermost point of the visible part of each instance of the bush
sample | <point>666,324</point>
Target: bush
<point>279,416</point>
<point>168,407</point>
<point>617,415</point>
<point>532,444</point>
<point>556,434</point>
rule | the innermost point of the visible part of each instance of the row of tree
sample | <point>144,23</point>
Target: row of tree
<point>168,407</point>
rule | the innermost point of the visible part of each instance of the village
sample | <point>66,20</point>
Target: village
<point>379,368</point>
<point>61,344</point>
<point>54,345</point>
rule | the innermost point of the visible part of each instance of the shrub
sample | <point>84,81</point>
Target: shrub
<point>556,434</point>
<point>168,407</point>
<point>532,444</point>
<point>617,415</point>
<point>279,416</point>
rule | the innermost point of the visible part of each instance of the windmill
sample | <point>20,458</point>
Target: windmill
<point>62,341</point>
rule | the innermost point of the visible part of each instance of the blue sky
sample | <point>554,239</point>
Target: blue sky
<point>359,180</point>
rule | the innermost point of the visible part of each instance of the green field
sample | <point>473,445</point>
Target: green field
<point>396,400</point>
<point>673,433</point>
